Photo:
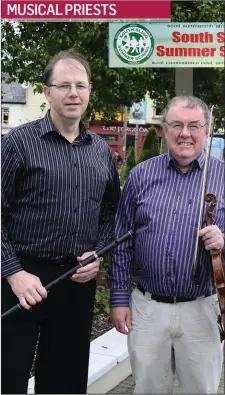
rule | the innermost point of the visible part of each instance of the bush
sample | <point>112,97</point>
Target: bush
<point>101,300</point>
<point>123,175</point>
<point>151,145</point>
<point>130,163</point>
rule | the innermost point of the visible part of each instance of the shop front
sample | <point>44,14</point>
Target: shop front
<point>114,134</point>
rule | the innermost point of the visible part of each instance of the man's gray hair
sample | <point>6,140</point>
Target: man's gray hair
<point>188,102</point>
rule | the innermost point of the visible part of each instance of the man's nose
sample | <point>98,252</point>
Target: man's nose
<point>73,90</point>
<point>185,130</point>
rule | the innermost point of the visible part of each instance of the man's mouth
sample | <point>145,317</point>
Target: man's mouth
<point>72,104</point>
<point>185,144</point>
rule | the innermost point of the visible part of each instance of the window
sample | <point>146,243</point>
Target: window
<point>5,116</point>
<point>109,138</point>
<point>158,108</point>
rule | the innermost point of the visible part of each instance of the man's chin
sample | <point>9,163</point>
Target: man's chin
<point>72,116</point>
<point>184,160</point>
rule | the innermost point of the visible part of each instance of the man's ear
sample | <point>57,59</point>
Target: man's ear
<point>47,93</point>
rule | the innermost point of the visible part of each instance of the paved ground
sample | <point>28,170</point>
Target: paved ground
<point>127,386</point>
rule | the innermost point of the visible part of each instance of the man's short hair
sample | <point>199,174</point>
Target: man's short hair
<point>188,102</point>
<point>69,54</point>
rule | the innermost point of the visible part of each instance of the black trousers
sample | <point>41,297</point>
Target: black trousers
<point>64,323</point>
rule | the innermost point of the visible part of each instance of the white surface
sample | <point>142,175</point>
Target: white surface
<point>111,379</point>
<point>99,365</point>
<point>112,343</point>
<point>106,354</point>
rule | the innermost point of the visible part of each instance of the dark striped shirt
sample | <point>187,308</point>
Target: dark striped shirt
<point>58,198</point>
<point>162,206</point>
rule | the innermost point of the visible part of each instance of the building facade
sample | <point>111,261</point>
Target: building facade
<point>20,105</point>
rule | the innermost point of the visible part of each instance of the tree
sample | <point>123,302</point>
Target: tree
<point>130,163</point>
<point>150,146</point>
<point>208,83</point>
<point>27,47</point>
<point>131,160</point>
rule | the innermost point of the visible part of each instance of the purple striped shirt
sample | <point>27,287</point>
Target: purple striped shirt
<point>161,205</point>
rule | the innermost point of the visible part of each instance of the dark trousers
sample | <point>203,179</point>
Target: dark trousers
<point>64,322</point>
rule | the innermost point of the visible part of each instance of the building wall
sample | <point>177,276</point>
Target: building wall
<point>17,112</point>
<point>113,134</point>
<point>23,113</point>
<point>34,102</point>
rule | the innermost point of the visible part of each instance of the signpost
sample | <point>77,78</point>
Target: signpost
<point>138,113</point>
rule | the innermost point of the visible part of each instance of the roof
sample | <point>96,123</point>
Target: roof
<point>13,93</point>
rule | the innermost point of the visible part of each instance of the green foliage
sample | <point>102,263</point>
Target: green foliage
<point>208,83</point>
<point>131,160</point>
<point>130,163</point>
<point>123,175</point>
<point>151,145</point>
<point>28,46</point>
<point>101,300</point>
<point>106,262</point>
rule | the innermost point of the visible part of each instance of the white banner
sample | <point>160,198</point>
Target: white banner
<point>166,44</point>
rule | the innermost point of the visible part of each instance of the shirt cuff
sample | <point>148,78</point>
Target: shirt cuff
<point>119,298</point>
<point>10,266</point>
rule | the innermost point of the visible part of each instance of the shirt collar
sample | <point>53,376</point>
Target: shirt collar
<point>199,161</point>
<point>47,126</point>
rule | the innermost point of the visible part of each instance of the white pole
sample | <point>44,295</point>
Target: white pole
<point>124,132</point>
<point>136,140</point>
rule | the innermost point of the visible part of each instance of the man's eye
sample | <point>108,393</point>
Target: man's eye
<point>80,86</point>
<point>63,86</point>
<point>193,127</point>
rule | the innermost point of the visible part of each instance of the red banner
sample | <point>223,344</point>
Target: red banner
<point>89,10</point>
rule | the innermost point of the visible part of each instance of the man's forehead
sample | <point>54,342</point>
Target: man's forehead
<point>181,108</point>
<point>69,65</point>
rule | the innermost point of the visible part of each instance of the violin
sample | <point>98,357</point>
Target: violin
<point>216,255</point>
<point>217,267</point>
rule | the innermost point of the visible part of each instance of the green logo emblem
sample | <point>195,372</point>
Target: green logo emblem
<point>133,44</point>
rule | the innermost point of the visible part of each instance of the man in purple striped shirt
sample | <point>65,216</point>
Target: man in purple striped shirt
<point>171,316</point>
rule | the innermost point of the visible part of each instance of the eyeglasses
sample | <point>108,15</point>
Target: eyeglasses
<point>191,127</point>
<point>67,87</point>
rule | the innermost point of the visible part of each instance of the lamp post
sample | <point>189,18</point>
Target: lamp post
<point>42,106</point>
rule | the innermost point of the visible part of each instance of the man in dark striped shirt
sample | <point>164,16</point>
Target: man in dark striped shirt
<point>60,190</point>
<point>171,317</point>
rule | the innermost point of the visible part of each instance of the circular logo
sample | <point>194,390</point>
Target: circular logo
<point>133,43</point>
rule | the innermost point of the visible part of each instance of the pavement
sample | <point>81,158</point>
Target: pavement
<point>127,386</point>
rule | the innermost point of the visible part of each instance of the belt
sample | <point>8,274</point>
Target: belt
<point>68,261</point>
<point>168,299</point>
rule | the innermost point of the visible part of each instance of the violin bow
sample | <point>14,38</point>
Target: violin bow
<point>204,185</point>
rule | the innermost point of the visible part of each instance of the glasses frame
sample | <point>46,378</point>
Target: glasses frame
<point>57,86</point>
<point>190,131</point>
